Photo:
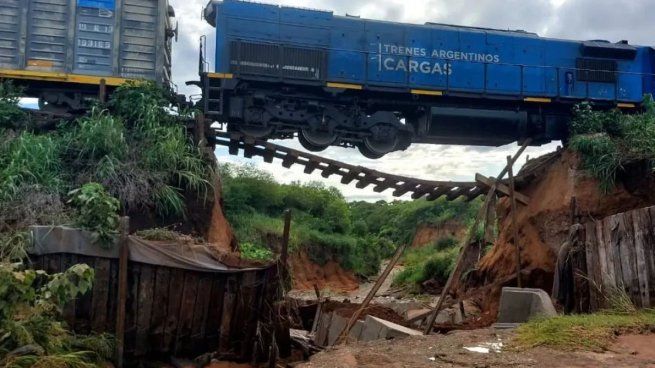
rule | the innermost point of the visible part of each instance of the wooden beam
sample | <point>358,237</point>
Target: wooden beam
<point>467,242</point>
<point>515,229</point>
<point>124,253</point>
<point>343,337</point>
<point>488,182</point>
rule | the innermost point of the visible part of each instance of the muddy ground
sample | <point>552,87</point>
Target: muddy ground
<point>451,351</point>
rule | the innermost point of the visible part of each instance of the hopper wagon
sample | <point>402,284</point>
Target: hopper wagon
<point>284,72</point>
<point>63,51</point>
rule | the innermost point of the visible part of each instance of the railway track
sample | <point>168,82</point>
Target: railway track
<point>362,177</point>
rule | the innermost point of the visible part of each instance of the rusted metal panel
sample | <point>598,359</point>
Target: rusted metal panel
<point>10,32</point>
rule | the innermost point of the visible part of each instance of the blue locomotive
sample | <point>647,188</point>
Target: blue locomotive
<point>380,86</point>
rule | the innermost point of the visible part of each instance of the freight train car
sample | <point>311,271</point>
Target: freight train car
<point>380,86</point>
<point>61,51</point>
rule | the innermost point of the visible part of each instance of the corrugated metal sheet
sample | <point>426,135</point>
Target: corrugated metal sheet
<point>94,41</point>
<point>10,25</point>
<point>114,38</point>
<point>47,35</point>
<point>139,27</point>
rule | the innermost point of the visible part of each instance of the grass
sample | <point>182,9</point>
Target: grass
<point>593,332</point>
<point>607,141</point>
<point>434,261</point>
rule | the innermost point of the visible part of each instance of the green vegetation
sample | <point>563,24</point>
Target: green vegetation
<point>357,235</point>
<point>97,211</point>
<point>609,140</point>
<point>10,114</point>
<point>430,262</point>
<point>30,320</point>
<point>133,148</point>
<point>588,332</point>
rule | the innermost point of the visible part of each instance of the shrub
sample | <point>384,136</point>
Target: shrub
<point>11,116</point>
<point>255,252</point>
<point>30,313</point>
<point>97,211</point>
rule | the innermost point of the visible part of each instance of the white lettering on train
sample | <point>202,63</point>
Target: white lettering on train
<point>398,58</point>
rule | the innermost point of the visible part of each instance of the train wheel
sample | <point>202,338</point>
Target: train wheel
<point>383,140</point>
<point>368,153</point>
<point>315,140</point>
<point>256,131</point>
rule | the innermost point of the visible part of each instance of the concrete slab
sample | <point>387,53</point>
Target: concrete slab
<point>520,305</point>
<point>337,324</point>
<point>322,328</point>
<point>389,330</point>
<point>356,331</point>
<point>371,331</point>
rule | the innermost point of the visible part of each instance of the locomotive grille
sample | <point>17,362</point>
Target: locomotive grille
<point>276,61</point>
<point>593,70</point>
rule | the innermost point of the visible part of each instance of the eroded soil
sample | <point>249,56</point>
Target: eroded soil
<point>450,351</point>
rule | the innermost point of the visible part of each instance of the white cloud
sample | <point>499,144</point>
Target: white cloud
<point>575,19</point>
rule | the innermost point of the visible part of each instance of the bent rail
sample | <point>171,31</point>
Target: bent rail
<point>362,176</point>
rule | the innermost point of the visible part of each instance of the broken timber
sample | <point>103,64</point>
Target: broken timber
<point>362,176</point>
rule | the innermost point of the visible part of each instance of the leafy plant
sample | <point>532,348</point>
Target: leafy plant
<point>97,211</point>
<point>255,252</point>
<point>11,116</point>
<point>30,311</point>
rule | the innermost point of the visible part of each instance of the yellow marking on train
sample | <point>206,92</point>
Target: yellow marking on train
<point>41,63</point>
<point>426,92</point>
<point>221,75</point>
<point>344,85</point>
<point>538,99</point>
<point>61,77</point>
<point>623,105</point>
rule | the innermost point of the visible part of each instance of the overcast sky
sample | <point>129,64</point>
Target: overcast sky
<point>612,20</point>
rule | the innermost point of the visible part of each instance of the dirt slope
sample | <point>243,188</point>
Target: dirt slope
<point>543,224</point>
<point>329,276</point>
<point>428,234</point>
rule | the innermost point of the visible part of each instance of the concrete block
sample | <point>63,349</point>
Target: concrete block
<point>386,330</point>
<point>520,305</point>
<point>337,325</point>
<point>371,331</point>
<point>356,331</point>
<point>322,328</point>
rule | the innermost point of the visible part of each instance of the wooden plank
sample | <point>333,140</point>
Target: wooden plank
<point>650,256</point>
<point>185,317</point>
<point>229,303</point>
<point>100,298</point>
<point>403,189</point>
<point>641,228</point>
<point>173,310</point>
<point>199,324</point>
<point>158,318</point>
<point>329,170</point>
<point>121,285</point>
<point>613,277</point>
<point>112,302</point>
<point>83,305</point>
<point>132,305</point>
<point>215,309</point>
<point>310,167</point>
<point>67,261</point>
<point>144,309</point>
<point>628,257</point>
<point>290,159</point>
<point>352,174</point>
<point>593,266</point>
<point>248,291</point>
<point>488,182</point>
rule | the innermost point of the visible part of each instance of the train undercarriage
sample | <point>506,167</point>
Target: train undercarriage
<point>375,122</point>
